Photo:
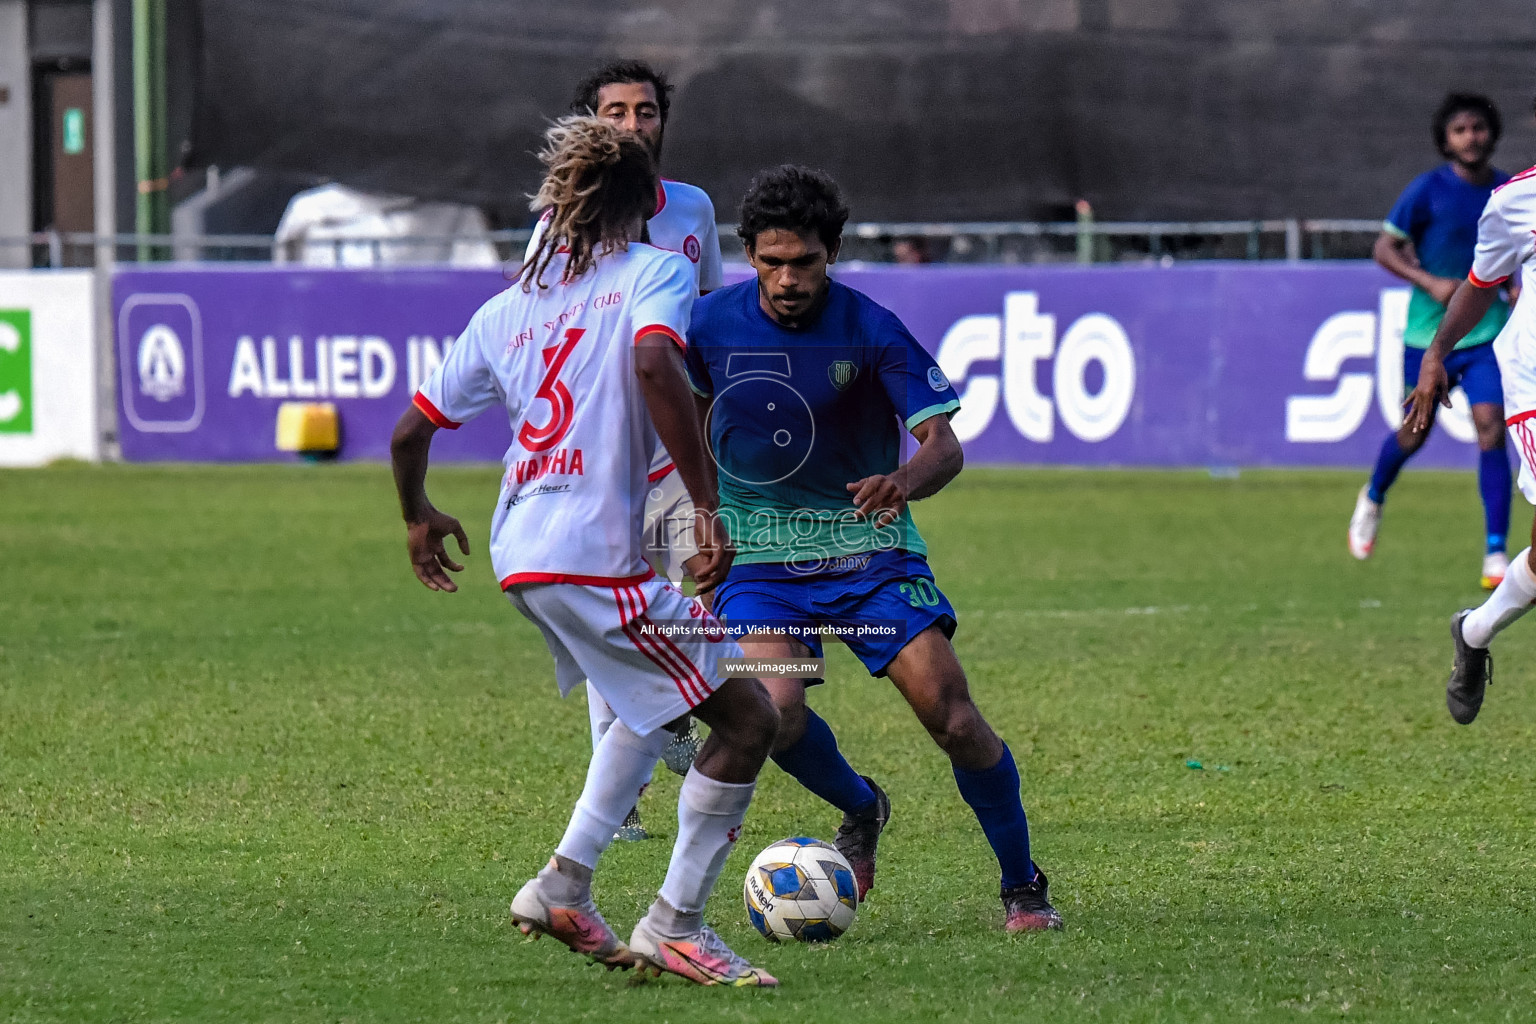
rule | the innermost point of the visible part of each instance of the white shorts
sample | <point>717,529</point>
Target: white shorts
<point>1522,430</point>
<point>669,537</point>
<point>652,652</point>
<point>1519,376</point>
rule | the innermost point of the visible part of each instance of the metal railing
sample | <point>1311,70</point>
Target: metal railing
<point>1024,242</point>
<point>57,249</point>
<point>1116,241</point>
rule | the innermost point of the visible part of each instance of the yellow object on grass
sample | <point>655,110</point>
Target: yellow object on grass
<point>308,427</point>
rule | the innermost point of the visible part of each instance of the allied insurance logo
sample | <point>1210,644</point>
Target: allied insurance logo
<point>160,353</point>
<point>15,371</point>
<point>162,364</point>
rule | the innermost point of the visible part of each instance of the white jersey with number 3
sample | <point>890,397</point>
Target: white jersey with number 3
<point>560,361</point>
<point>684,222</point>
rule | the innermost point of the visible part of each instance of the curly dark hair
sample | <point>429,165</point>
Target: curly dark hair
<point>793,198</point>
<point>622,72</point>
<point>1462,102</point>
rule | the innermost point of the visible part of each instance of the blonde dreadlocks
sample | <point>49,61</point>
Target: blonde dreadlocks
<point>598,181</point>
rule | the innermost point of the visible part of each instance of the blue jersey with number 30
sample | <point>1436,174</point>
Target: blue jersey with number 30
<point>797,414</point>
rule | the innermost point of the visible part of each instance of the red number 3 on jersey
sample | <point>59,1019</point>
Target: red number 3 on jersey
<point>553,391</point>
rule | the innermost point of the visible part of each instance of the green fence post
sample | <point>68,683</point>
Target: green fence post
<point>149,131</point>
<point>1084,231</point>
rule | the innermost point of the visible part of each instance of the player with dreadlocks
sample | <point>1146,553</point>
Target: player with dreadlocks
<point>632,95</point>
<point>590,376</point>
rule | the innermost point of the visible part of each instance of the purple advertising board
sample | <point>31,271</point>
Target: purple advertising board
<point>1211,364</point>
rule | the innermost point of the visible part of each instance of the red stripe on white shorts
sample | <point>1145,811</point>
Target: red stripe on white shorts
<point>1520,426</point>
<point>669,650</point>
<point>621,599</point>
<point>694,674</point>
<point>1527,442</point>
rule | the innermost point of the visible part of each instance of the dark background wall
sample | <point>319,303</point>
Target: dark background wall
<point>967,109</point>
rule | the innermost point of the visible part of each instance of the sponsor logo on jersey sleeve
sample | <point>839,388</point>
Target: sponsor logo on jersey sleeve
<point>691,248</point>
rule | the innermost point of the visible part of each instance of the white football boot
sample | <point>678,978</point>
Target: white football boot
<point>579,926</point>
<point>1363,525</point>
<point>1494,568</point>
<point>702,957</point>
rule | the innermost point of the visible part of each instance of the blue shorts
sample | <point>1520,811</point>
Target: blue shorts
<point>1475,369</point>
<point>876,602</point>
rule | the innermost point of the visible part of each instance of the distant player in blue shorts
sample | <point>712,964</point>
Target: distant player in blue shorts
<point>805,386</point>
<point>1428,240</point>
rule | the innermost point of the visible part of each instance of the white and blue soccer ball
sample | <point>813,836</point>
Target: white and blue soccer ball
<point>801,889</point>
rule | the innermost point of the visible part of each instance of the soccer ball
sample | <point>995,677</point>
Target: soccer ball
<point>801,889</point>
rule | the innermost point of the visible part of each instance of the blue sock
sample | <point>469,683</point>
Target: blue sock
<point>1494,481</point>
<point>820,767</point>
<point>994,795</point>
<point>1389,463</point>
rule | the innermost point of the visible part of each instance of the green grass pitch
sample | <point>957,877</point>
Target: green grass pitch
<point>253,771</point>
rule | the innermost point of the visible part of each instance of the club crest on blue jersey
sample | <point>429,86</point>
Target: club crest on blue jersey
<point>842,373</point>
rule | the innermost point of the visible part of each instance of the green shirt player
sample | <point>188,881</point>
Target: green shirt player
<point>807,388</point>
<point>1428,240</point>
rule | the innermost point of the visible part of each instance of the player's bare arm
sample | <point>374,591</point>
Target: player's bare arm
<point>938,460</point>
<point>426,527</point>
<point>701,417</point>
<point>664,386</point>
<point>695,565</point>
<point>1467,307</point>
<point>1399,258</point>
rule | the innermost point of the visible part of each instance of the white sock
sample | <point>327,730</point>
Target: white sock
<point>567,886</point>
<point>599,713</point>
<point>709,816</point>
<point>1511,600</point>
<point>620,769</point>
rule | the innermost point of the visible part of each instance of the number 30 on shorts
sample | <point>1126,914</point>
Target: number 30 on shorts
<point>920,593</point>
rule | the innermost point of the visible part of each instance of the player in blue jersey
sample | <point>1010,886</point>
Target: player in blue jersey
<point>805,386</point>
<point>1428,240</point>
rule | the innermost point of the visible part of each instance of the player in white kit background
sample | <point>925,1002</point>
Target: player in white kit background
<point>632,95</point>
<point>1506,245</point>
<point>584,356</point>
